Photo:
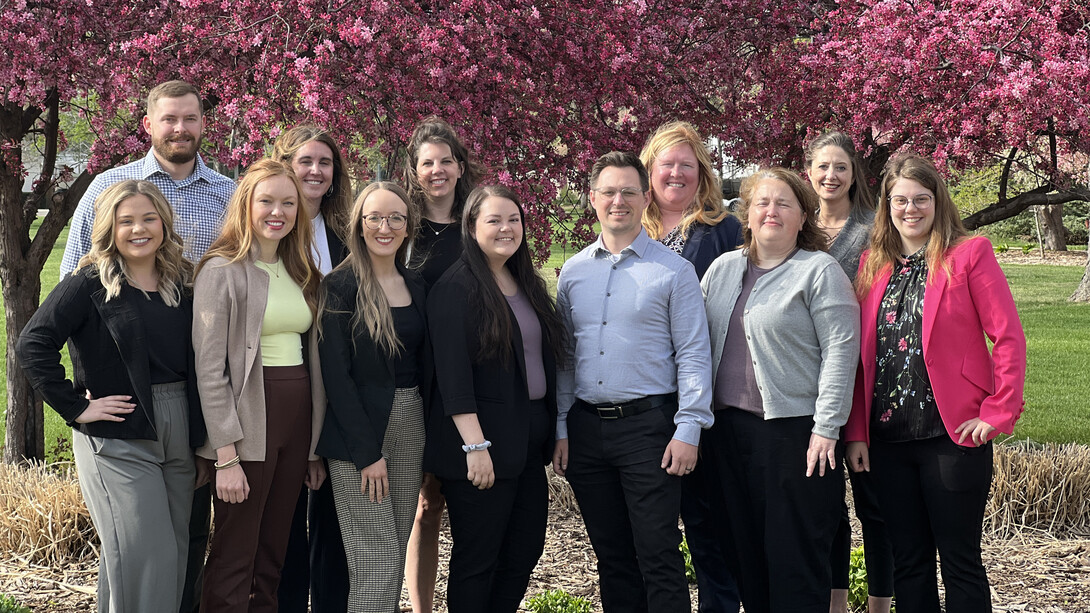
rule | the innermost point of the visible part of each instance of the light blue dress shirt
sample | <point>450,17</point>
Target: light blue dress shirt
<point>199,202</point>
<point>637,327</point>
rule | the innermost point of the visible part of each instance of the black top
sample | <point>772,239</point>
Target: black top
<point>904,404</point>
<point>437,246</point>
<point>705,243</point>
<point>163,326</point>
<point>359,375</point>
<point>109,350</point>
<point>409,324</point>
<point>496,391</point>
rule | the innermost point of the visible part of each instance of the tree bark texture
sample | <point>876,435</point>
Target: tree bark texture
<point>1082,294</point>
<point>1053,234</point>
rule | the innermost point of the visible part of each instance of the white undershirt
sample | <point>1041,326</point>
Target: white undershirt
<point>319,247</point>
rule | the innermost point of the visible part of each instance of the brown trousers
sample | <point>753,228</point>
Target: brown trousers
<point>250,539</point>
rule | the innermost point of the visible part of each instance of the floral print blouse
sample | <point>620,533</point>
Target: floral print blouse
<point>904,404</point>
<point>674,239</point>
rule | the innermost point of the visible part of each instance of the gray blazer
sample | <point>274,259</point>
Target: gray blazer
<point>802,328</point>
<point>228,308</point>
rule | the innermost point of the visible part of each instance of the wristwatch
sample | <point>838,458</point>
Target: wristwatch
<point>478,447</point>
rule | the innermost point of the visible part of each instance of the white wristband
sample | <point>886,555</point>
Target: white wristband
<point>477,447</point>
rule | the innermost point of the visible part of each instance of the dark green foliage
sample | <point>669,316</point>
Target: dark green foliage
<point>556,601</point>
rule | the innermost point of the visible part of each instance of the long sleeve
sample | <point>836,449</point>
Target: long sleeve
<point>213,306</point>
<point>692,347</point>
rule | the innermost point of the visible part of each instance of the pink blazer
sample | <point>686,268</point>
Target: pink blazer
<point>958,311</point>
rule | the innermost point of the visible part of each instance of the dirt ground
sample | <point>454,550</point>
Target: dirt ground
<point>1035,573</point>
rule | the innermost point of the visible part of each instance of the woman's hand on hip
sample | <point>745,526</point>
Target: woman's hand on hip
<point>231,484</point>
<point>480,472</point>
<point>821,450</point>
<point>857,456</point>
<point>375,481</point>
<point>977,429</point>
<point>108,408</point>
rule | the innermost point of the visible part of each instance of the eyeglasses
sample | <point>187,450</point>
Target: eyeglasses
<point>628,194</point>
<point>395,221</point>
<point>920,201</point>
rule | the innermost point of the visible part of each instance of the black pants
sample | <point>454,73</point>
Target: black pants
<point>498,533</point>
<point>877,550</point>
<point>200,526</point>
<point>933,494</point>
<point>630,507</point>
<point>717,587</point>
<point>316,563</point>
<point>782,521</point>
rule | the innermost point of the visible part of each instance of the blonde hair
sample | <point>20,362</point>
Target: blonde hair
<point>175,272</point>
<point>885,241</point>
<point>236,240</point>
<point>707,208</point>
<point>372,310</point>
<point>810,238</point>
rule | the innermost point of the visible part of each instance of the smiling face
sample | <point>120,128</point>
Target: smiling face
<point>138,229</point>
<point>313,164</point>
<point>620,217</point>
<point>831,174</point>
<point>384,241</point>
<point>775,217</point>
<point>912,223</point>
<point>498,229</point>
<point>675,178</point>
<point>437,170</point>
<point>175,126</point>
<point>273,209</point>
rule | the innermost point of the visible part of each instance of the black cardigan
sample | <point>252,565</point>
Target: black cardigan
<point>359,377</point>
<point>109,357</point>
<point>705,243</point>
<point>495,391</point>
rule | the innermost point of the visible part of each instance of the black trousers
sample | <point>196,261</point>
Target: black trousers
<point>877,550</point>
<point>782,521</point>
<point>630,507</point>
<point>703,519</point>
<point>316,563</point>
<point>933,493</point>
<point>498,534</point>
<point>200,526</point>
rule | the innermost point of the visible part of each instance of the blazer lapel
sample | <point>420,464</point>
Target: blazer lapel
<point>869,314</point>
<point>257,295</point>
<point>125,328</point>
<point>931,299</point>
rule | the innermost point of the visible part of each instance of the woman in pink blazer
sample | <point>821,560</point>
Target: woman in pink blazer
<point>929,396</point>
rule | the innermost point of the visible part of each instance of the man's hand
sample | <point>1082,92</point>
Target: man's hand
<point>679,458</point>
<point>560,456</point>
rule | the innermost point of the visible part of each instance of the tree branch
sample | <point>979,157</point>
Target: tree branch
<point>1040,196</point>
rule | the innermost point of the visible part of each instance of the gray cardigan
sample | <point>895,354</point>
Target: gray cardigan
<point>802,328</point>
<point>853,239</point>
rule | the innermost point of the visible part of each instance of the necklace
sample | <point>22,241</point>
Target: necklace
<point>431,226</point>
<point>272,269</point>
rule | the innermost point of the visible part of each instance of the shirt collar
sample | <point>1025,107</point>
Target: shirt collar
<point>638,246</point>
<point>152,166</point>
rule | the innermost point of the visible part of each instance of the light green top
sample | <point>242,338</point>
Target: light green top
<point>287,317</point>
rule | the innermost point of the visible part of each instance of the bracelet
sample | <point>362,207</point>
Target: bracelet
<point>477,447</point>
<point>228,464</point>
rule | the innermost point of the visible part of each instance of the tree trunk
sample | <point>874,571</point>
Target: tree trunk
<point>24,435</point>
<point>1082,294</point>
<point>1053,233</point>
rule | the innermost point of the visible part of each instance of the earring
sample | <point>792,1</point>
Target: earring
<point>329,192</point>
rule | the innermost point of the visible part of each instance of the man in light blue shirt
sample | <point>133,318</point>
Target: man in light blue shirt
<point>634,395</point>
<point>198,194</point>
<point>199,197</point>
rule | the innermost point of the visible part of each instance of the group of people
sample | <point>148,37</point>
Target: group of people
<point>333,372</point>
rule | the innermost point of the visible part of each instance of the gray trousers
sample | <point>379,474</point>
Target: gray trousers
<point>377,534</point>
<point>140,496</point>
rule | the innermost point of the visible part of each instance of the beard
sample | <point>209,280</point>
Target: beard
<point>167,151</point>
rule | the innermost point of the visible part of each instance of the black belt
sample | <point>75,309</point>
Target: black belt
<point>609,410</point>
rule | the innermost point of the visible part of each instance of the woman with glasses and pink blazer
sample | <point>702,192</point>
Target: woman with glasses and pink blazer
<point>930,395</point>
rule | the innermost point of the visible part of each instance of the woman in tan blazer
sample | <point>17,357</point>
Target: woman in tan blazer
<point>255,298</point>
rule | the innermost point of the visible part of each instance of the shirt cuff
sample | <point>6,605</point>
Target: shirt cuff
<point>561,428</point>
<point>688,433</point>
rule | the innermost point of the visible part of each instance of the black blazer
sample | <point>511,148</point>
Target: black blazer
<point>495,391</point>
<point>337,249</point>
<point>705,243</point>
<point>359,377</point>
<point>109,357</point>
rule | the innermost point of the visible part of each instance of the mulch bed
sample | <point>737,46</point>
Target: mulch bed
<point>1031,573</point>
<point>1054,258</point>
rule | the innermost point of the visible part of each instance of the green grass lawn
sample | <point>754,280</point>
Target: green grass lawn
<point>1058,336</point>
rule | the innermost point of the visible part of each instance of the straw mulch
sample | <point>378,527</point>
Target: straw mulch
<point>1036,546</point>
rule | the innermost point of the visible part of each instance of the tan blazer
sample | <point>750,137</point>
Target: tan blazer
<point>228,309</point>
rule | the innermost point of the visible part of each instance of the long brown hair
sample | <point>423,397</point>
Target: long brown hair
<point>885,240</point>
<point>372,310</point>
<point>707,208</point>
<point>175,272</point>
<point>488,302</point>
<point>810,237</point>
<point>434,130</point>
<point>338,200</point>
<point>236,241</point>
<point>859,193</point>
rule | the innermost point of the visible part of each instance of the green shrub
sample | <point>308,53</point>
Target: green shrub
<point>557,601</point>
<point>1002,248</point>
<point>10,605</point>
<point>690,572</point>
<point>857,582</point>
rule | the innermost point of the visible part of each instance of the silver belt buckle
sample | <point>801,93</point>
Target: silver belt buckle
<point>615,412</point>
